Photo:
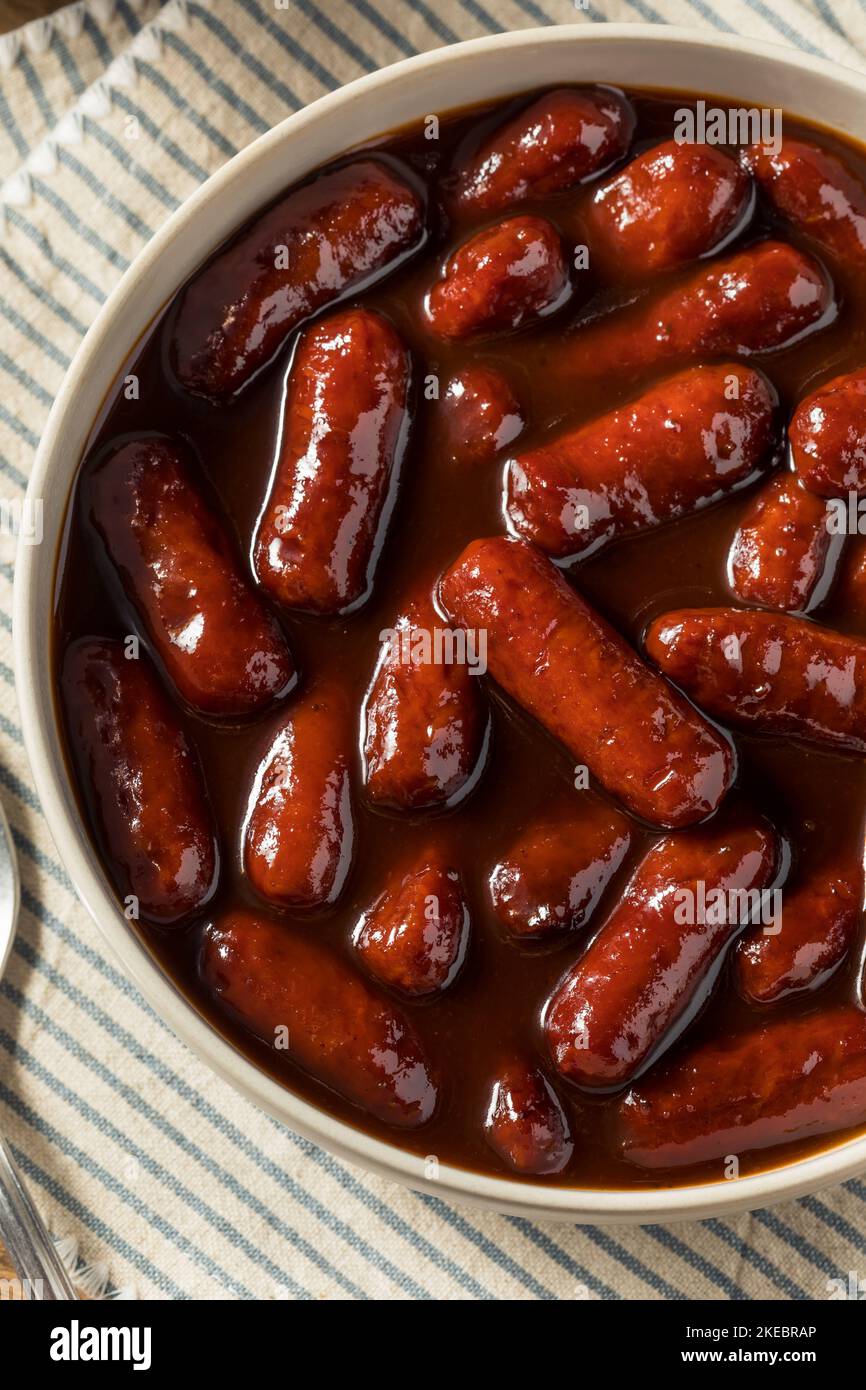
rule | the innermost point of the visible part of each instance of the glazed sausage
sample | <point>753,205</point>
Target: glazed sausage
<point>142,779</point>
<point>559,140</point>
<point>753,301</point>
<point>559,659</point>
<point>526,1125</point>
<point>425,716</point>
<point>782,1083</point>
<point>672,204</point>
<point>307,1004</point>
<point>331,236</point>
<point>551,879</point>
<point>850,591</point>
<point>219,645</point>
<point>828,437</point>
<point>682,445</point>
<point>478,415</point>
<point>414,936</point>
<point>637,985</point>
<point>767,672</point>
<point>814,190</point>
<point>781,549</point>
<point>820,914</point>
<point>299,830</point>
<point>344,432</point>
<point>501,278</point>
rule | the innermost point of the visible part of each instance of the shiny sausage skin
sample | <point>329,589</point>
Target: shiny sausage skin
<point>179,568</point>
<point>299,829</point>
<point>478,415</point>
<point>142,778</point>
<point>828,437</point>
<point>559,140</point>
<point>766,672</point>
<point>820,914</point>
<point>425,722</point>
<point>813,189</point>
<point>781,548</point>
<point>752,301</point>
<point>680,446</point>
<point>671,204</point>
<point>787,1081</point>
<point>304,1001</point>
<point>414,936</point>
<point>344,432</point>
<point>504,276</point>
<point>551,879</point>
<point>559,659</point>
<point>637,984</point>
<point>336,233</point>
<point>849,595</point>
<point>526,1125</point>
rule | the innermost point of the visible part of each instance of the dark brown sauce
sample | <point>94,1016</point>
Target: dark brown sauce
<point>815,798</point>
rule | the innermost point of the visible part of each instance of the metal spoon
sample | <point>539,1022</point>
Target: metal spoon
<point>30,1247</point>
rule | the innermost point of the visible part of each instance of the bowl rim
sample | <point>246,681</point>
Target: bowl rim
<point>577,1204</point>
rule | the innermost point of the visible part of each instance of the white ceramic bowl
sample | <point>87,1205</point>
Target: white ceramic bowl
<point>749,72</point>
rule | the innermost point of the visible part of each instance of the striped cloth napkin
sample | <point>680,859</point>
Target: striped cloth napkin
<point>166,1183</point>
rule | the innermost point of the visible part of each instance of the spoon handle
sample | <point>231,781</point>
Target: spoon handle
<point>30,1247</point>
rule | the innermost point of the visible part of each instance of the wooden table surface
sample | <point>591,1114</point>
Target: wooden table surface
<point>15,12</point>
